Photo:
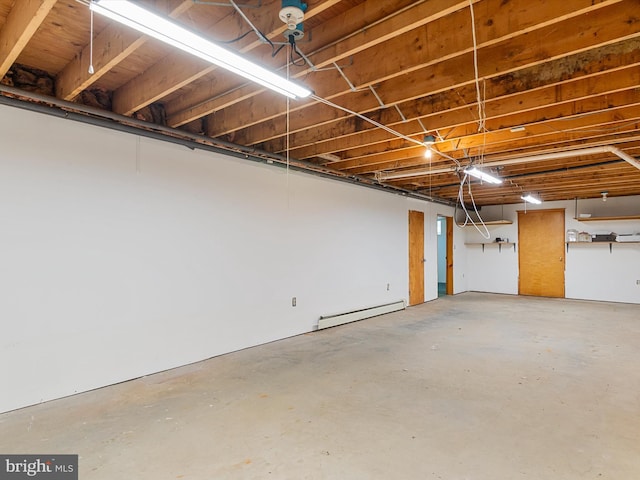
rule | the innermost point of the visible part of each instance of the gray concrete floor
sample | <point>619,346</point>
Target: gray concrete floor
<point>472,386</point>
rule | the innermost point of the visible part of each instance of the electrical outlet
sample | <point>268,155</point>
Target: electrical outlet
<point>388,285</point>
<point>294,301</point>
<point>637,282</point>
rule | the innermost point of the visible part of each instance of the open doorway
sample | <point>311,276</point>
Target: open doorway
<point>444,231</point>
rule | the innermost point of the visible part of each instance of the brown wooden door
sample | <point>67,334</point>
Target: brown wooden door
<point>416,257</point>
<point>541,253</point>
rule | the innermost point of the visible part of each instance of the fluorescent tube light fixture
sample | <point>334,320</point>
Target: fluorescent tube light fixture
<point>484,176</point>
<point>531,199</point>
<point>165,30</point>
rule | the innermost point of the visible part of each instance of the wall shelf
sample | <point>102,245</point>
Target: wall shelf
<point>492,222</point>
<point>494,243</point>
<point>601,243</point>
<point>604,219</point>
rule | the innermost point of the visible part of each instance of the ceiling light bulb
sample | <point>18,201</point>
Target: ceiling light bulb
<point>428,141</point>
<point>170,32</point>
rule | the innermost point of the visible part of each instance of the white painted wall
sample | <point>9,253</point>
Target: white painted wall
<point>591,272</point>
<point>122,256</point>
<point>594,273</point>
<point>495,269</point>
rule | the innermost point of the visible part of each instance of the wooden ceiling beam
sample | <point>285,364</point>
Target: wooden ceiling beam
<point>613,119</point>
<point>219,94</point>
<point>503,123</point>
<point>498,55</point>
<point>330,51</point>
<point>605,162</point>
<point>22,22</point>
<point>420,168</point>
<point>496,23</point>
<point>608,163</point>
<point>493,143</point>
<point>580,182</point>
<point>460,96</point>
<point>446,119</point>
<point>177,70</point>
<point>418,163</point>
<point>110,47</point>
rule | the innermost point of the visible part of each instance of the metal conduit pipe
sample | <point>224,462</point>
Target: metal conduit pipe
<point>14,97</point>
<point>514,161</point>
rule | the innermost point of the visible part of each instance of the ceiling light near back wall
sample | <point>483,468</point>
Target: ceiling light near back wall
<point>165,30</point>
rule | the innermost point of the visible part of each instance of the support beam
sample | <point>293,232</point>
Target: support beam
<point>110,47</point>
<point>178,70</point>
<point>456,106</point>
<point>443,45</point>
<point>184,108</point>
<point>22,22</point>
<point>367,37</point>
<point>522,147</point>
<point>545,132</point>
<point>455,127</point>
<point>579,152</point>
<point>595,73</point>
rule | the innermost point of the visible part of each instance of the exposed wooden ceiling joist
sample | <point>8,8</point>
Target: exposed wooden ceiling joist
<point>22,22</point>
<point>111,46</point>
<point>568,72</point>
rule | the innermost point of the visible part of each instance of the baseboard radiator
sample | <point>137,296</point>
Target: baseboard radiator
<point>354,316</point>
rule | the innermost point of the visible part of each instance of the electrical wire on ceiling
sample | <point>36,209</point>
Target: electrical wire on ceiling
<point>292,61</point>
<point>480,226</point>
<point>481,110</point>
<point>296,62</point>
<point>468,219</point>
<point>465,179</point>
<point>237,39</point>
<point>370,120</point>
<point>264,39</point>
